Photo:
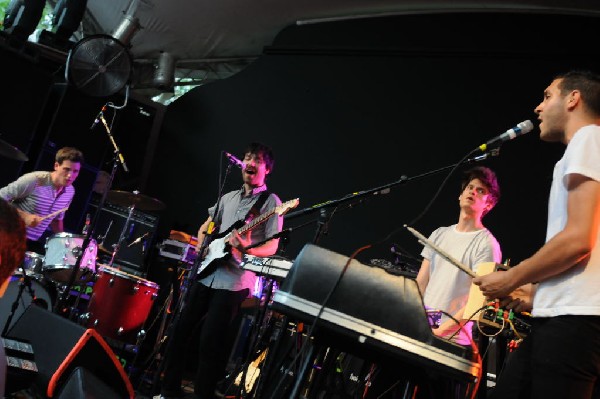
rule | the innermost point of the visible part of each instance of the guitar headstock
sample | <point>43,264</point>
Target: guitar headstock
<point>286,206</point>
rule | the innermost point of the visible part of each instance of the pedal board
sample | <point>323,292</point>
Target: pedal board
<point>493,318</point>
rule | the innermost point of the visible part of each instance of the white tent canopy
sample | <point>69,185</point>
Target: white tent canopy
<point>203,40</point>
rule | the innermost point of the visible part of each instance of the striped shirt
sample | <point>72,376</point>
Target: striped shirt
<point>34,193</point>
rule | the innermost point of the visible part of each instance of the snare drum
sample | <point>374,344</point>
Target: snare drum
<point>32,264</point>
<point>62,250</point>
<point>120,304</point>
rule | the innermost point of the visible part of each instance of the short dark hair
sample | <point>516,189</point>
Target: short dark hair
<point>489,180</point>
<point>264,150</point>
<point>587,83</point>
<point>68,154</point>
<point>12,240</point>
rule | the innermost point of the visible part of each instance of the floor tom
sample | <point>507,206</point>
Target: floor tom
<point>120,304</point>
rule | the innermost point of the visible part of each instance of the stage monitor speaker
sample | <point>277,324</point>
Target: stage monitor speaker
<point>61,345</point>
<point>110,225</point>
<point>83,384</point>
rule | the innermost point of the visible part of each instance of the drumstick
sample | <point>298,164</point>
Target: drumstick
<point>54,213</point>
<point>423,240</point>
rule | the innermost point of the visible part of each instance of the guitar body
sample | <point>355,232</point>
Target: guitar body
<point>219,248</point>
<point>476,298</point>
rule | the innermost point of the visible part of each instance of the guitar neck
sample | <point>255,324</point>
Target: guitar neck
<point>256,221</point>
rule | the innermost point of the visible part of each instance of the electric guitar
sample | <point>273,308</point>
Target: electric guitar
<point>219,247</point>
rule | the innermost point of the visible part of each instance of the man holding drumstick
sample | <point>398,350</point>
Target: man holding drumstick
<point>42,197</point>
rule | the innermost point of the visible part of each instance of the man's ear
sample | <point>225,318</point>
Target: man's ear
<point>574,98</point>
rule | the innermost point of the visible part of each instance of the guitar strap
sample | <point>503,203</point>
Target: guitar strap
<point>255,210</point>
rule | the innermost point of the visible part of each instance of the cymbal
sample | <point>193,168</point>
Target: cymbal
<point>12,152</point>
<point>139,201</point>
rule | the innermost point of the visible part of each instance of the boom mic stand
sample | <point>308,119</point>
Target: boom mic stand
<point>189,280</point>
<point>59,308</point>
<point>350,200</point>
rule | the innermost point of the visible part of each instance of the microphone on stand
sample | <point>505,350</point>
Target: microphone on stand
<point>520,129</point>
<point>234,160</point>
<point>493,153</point>
<point>137,240</point>
<point>98,117</point>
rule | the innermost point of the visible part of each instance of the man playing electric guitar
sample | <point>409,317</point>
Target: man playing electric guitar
<point>222,285</point>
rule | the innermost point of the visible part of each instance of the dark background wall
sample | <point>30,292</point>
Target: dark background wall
<point>347,107</point>
<point>351,106</point>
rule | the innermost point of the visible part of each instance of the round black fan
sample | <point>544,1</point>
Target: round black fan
<point>99,65</point>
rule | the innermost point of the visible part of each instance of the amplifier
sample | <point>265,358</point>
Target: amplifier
<point>111,224</point>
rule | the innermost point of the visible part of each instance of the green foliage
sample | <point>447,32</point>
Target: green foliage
<point>45,21</point>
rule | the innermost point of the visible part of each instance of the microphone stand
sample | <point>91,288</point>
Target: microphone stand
<point>324,218</point>
<point>189,280</point>
<point>322,228</point>
<point>24,283</point>
<point>117,158</point>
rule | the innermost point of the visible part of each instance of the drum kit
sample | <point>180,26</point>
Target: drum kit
<point>120,302</point>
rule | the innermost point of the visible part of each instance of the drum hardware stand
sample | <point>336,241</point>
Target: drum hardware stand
<point>160,337</point>
<point>24,283</point>
<point>117,246</point>
<point>101,237</point>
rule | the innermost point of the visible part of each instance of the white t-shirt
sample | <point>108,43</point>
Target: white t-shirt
<point>448,286</point>
<point>576,291</point>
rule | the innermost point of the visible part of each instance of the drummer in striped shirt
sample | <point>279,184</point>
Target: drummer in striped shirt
<point>42,197</point>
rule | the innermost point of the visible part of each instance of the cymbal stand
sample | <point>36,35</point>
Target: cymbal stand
<point>101,238</point>
<point>118,158</point>
<point>60,303</point>
<point>117,246</point>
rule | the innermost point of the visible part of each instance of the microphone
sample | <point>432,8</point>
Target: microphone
<point>138,240</point>
<point>98,117</point>
<point>234,160</point>
<point>521,128</point>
